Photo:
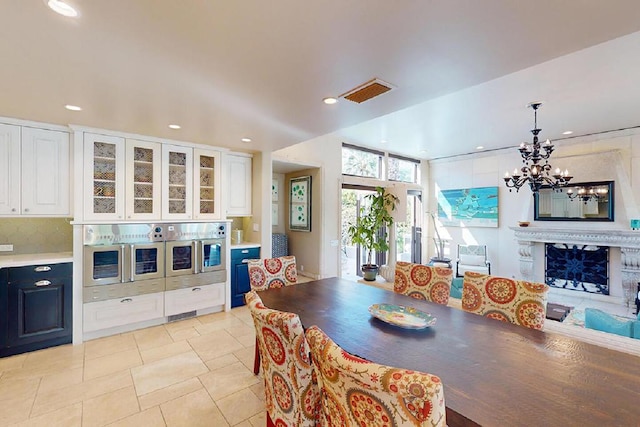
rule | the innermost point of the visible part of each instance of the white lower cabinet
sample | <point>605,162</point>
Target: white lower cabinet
<point>122,311</point>
<point>196,298</point>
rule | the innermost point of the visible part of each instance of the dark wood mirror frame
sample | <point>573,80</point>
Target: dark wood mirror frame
<point>556,205</point>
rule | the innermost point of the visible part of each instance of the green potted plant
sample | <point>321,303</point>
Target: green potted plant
<point>370,229</point>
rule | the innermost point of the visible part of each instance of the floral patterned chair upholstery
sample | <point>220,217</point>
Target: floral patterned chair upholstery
<point>292,397</point>
<point>516,301</point>
<point>357,392</point>
<point>272,272</point>
<point>423,282</point>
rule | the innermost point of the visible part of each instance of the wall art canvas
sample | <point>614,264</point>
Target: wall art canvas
<point>469,207</point>
<point>300,204</point>
<point>274,190</point>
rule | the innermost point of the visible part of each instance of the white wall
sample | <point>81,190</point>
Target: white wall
<point>611,156</point>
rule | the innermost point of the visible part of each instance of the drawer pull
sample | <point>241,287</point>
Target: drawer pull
<point>245,251</point>
<point>42,283</point>
<point>126,300</point>
<point>195,289</point>
<point>41,268</point>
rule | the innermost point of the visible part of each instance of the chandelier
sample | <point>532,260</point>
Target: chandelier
<point>585,194</point>
<point>536,170</point>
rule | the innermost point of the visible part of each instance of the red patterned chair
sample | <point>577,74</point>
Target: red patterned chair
<point>292,397</point>
<point>272,273</point>
<point>357,392</point>
<point>423,282</point>
<point>516,301</point>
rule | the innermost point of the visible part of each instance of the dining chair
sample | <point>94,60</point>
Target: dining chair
<point>516,301</point>
<point>472,258</point>
<point>423,282</point>
<point>358,392</point>
<point>271,273</point>
<point>292,396</point>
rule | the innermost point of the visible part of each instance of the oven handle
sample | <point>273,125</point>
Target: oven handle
<point>196,257</point>
<point>122,261</point>
<point>132,267</point>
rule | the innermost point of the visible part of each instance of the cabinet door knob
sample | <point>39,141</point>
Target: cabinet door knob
<point>13,210</point>
<point>26,209</point>
<point>41,268</point>
<point>42,283</point>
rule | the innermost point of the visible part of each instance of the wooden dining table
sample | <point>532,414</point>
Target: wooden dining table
<point>494,373</point>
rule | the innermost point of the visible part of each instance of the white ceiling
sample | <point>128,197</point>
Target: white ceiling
<point>464,69</point>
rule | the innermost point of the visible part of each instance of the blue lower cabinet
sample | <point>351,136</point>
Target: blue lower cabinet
<point>240,273</point>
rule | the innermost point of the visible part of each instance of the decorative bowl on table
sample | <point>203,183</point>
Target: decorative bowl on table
<point>404,317</point>
<point>523,223</point>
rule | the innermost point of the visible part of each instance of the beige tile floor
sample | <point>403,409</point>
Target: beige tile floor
<point>195,372</point>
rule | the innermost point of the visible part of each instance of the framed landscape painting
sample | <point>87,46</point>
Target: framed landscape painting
<point>469,207</point>
<point>300,204</point>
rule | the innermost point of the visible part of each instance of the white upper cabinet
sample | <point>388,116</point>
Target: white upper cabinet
<point>177,178</point>
<point>34,171</point>
<point>143,169</point>
<point>45,172</point>
<point>9,170</point>
<point>206,184</point>
<point>238,185</point>
<point>104,175</point>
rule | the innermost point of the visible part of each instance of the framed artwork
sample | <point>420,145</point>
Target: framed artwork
<point>468,207</point>
<point>274,190</point>
<point>274,214</point>
<point>300,204</point>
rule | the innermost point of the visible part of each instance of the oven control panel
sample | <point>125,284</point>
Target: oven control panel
<point>196,231</point>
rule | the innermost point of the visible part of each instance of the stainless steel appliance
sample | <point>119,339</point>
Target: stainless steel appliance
<point>123,260</point>
<point>195,254</point>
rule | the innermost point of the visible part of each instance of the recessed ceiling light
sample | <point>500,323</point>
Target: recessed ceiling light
<point>72,107</point>
<point>568,132</point>
<point>384,141</point>
<point>330,100</point>
<point>175,126</point>
<point>423,151</point>
<point>62,8</point>
<point>480,147</point>
<point>246,140</point>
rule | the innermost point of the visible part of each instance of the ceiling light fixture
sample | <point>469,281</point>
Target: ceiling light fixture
<point>175,126</point>
<point>330,100</point>
<point>62,8</point>
<point>480,147</point>
<point>72,107</point>
<point>533,172</point>
<point>567,132</point>
<point>246,140</point>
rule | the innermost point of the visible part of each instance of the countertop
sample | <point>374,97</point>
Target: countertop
<point>33,259</point>
<point>245,245</point>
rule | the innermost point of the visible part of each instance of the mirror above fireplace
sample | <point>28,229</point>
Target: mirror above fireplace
<point>581,201</point>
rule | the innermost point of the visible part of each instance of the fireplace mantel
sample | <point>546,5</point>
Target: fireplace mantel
<point>614,238</point>
<point>628,241</point>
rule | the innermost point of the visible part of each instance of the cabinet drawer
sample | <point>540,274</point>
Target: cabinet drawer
<point>33,273</point>
<point>189,281</point>
<point>122,311</point>
<point>121,290</point>
<point>246,253</point>
<point>196,298</point>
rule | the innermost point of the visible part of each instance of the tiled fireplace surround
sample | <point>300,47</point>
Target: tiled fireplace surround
<point>624,257</point>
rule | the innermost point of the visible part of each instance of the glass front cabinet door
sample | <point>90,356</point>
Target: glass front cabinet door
<point>177,176</point>
<point>104,175</point>
<point>143,180</point>
<point>206,184</point>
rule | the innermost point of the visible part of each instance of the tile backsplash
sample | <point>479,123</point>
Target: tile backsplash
<point>36,235</point>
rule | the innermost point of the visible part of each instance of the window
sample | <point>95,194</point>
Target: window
<point>363,162</point>
<point>403,169</point>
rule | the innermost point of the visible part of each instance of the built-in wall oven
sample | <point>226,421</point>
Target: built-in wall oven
<point>195,254</point>
<point>123,260</point>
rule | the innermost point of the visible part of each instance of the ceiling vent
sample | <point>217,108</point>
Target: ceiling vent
<point>368,90</point>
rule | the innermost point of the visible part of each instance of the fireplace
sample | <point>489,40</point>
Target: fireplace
<point>623,257</point>
<point>582,268</point>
